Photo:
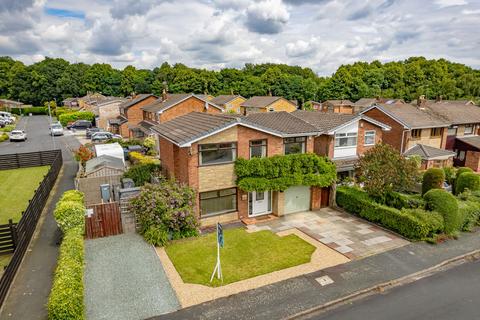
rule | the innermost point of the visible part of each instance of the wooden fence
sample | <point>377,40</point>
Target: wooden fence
<point>25,228</point>
<point>104,221</point>
<point>8,237</point>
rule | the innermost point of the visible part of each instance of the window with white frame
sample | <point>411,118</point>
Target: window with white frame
<point>345,140</point>
<point>218,202</point>
<point>369,139</point>
<point>468,129</point>
<point>258,148</point>
<point>217,153</point>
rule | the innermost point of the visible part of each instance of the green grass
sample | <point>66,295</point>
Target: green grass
<point>244,256</point>
<point>4,260</point>
<point>17,186</point>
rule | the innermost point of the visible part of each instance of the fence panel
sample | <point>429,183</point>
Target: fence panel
<point>25,228</point>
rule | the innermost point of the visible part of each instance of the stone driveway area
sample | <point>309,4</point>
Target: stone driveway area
<point>125,280</point>
<point>349,235</point>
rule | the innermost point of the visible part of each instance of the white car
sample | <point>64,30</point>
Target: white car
<point>7,117</point>
<point>18,135</point>
<point>56,129</point>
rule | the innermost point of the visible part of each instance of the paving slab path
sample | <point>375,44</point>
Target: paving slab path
<point>124,279</point>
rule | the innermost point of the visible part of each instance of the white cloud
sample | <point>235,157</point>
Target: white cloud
<point>267,16</point>
<point>450,3</point>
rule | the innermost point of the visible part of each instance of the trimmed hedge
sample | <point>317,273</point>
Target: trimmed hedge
<point>413,224</point>
<point>446,204</point>
<point>4,137</point>
<point>433,178</point>
<point>401,200</point>
<point>142,173</point>
<point>469,211</point>
<point>74,116</point>
<point>72,195</point>
<point>66,296</point>
<point>32,110</point>
<point>69,215</point>
<point>467,180</point>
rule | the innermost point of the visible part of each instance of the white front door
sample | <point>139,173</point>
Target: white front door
<point>259,203</point>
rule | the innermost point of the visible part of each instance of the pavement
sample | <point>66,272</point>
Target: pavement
<point>297,295</point>
<point>353,237</point>
<point>451,294</point>
<point>124,280</point>
<point>31,287</point>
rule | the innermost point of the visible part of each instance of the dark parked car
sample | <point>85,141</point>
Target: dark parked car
<point>91,131</point>
<point>80,124</point>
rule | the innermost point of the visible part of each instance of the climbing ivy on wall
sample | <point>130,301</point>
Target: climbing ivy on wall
<point>280,172</point>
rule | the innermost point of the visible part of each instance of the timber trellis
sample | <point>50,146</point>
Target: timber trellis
<point>22,232</point>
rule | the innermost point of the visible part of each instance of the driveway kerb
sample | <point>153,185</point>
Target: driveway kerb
<point>447,264</point>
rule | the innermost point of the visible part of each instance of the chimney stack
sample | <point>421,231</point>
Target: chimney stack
<point>164,94</point>
<point>421,101</point>
<point>439,98</point>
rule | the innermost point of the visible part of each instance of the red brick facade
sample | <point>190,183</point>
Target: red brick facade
<point>367,126</point>
<point>191,104</point>
<point>394,136</point>
<point>134,114</point>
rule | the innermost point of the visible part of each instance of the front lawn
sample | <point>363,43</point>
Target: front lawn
<point>17,186</point>
<point>245,255</point>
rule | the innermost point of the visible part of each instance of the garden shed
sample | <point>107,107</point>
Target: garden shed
<point>110,149</point>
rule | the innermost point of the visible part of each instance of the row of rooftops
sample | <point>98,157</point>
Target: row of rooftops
<point>189,128</point>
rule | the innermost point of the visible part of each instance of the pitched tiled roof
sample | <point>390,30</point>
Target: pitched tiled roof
<point>103,160</point>
<point>225,98</point>
<point>412,116</point>
<point>173,99</point>
<point>280,122</point>
<point>184,129</point>
<point>456,112</point>
<point>127,104</point>
<point>340,102</point>
<point>474,141</point>
<point>324,121</point>
<point>260,101</point>
<point>427,152</point>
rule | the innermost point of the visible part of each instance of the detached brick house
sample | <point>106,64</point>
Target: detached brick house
<point>411,125</point>
<point>231,103</point>
<point>339,106</point>
<point>131,114</point>
<point>199,149</point>
<point>259,104</point>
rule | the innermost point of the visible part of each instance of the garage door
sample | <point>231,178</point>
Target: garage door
<point>297,199</point>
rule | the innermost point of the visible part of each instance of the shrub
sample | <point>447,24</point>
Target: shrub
<point>8,128</point>
<point>74,116</point>
<point>450,173</point>
<point>446,204</point>
<point>432,219</point>
<point>32,110</point>
<point>62,110</point>
<point>69,215</point>
<point>142,173</point>
<point>469,211</point>
<point>3,137</point>
<point>72,195</point>
<point>138,158</point>
<point>83,154</point>
<point>66,296</point>
<point>401,200</point>
<point>467,180</point>
<point>433,178</point>
<point>165,208</point>
<point>409,223</point>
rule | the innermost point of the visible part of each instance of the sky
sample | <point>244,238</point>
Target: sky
<point>213,34</point>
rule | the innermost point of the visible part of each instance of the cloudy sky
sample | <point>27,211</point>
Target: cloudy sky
<point>321,34</point>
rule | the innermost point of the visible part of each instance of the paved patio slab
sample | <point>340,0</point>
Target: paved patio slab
<point>125,280</point>
<point>349,235</point>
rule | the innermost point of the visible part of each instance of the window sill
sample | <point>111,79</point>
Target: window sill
<point>211,215</point>
<point>215,164</point>
<point>369,145</point>
<point>348,147</point>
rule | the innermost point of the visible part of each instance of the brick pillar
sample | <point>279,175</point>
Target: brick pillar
<point>278,203</point>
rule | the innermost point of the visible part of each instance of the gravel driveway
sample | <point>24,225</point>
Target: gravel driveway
<point>124,279</point>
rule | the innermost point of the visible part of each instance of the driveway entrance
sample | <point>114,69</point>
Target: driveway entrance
<point>349,235</point>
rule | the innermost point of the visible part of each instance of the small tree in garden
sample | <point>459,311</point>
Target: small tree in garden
<point>433,178</point>
<point>383,169</point>
<point>467,180</point>
<point>83,154</point>
<point>165,211</point>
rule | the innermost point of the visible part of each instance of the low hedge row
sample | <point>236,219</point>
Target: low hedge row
<point>32,110</point>
<point>3,137</point>
<point>412,224</point>
<point>69,212</point>
<point>403,201</point>
<point>66,296</point>
<point>469,211</point>
<point>74,116</point>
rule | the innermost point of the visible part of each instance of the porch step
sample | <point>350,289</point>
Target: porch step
<point>255,220</point>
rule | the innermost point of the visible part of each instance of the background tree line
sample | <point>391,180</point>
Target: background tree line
<point>59,79</point>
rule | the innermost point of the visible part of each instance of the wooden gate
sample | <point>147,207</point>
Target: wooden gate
<point>325,197</point>
<point>105,220</point>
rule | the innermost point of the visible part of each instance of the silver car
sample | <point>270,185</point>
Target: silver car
<point>56,129</point>
<point>18,135</point>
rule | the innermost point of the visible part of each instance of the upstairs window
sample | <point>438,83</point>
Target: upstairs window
<point>435,132</point>
<point>468,129</point>
<point>346,140</point>
<point>369,139</point>
<point>258,149</point>
<point>217,153</point>
<point>294,145</point>
<point>452,131</point>
<point>416,133</point>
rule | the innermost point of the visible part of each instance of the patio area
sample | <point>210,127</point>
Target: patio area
<point>346,234</point>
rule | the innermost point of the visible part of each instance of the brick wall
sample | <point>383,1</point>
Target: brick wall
<point>472,160</point>
<point>367,126</point>
<point>392,137</point>
<point>167,157</point>
<point>245,135</point>
<point>107,112</point>
<point>191,104</point>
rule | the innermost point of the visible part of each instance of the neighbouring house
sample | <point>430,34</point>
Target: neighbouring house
<point>169,107</point>
<point>131,114</point>
<point>108,110</point>
<point>205,96</point>
<point>364,103</point>
<point>467,150</point>
<point>431,157</point>
<point>339,106</point>
<point>266,104</point>
<point>411,125</point>
<point>317,106</point>
<point>200,150</point>
<point>343,137</point>
<point>463,116</point>
<point>99,171</point>
<point>229,102</point>
<point>89,101</point>
<point>7,105</point>
<point>70,102</point>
